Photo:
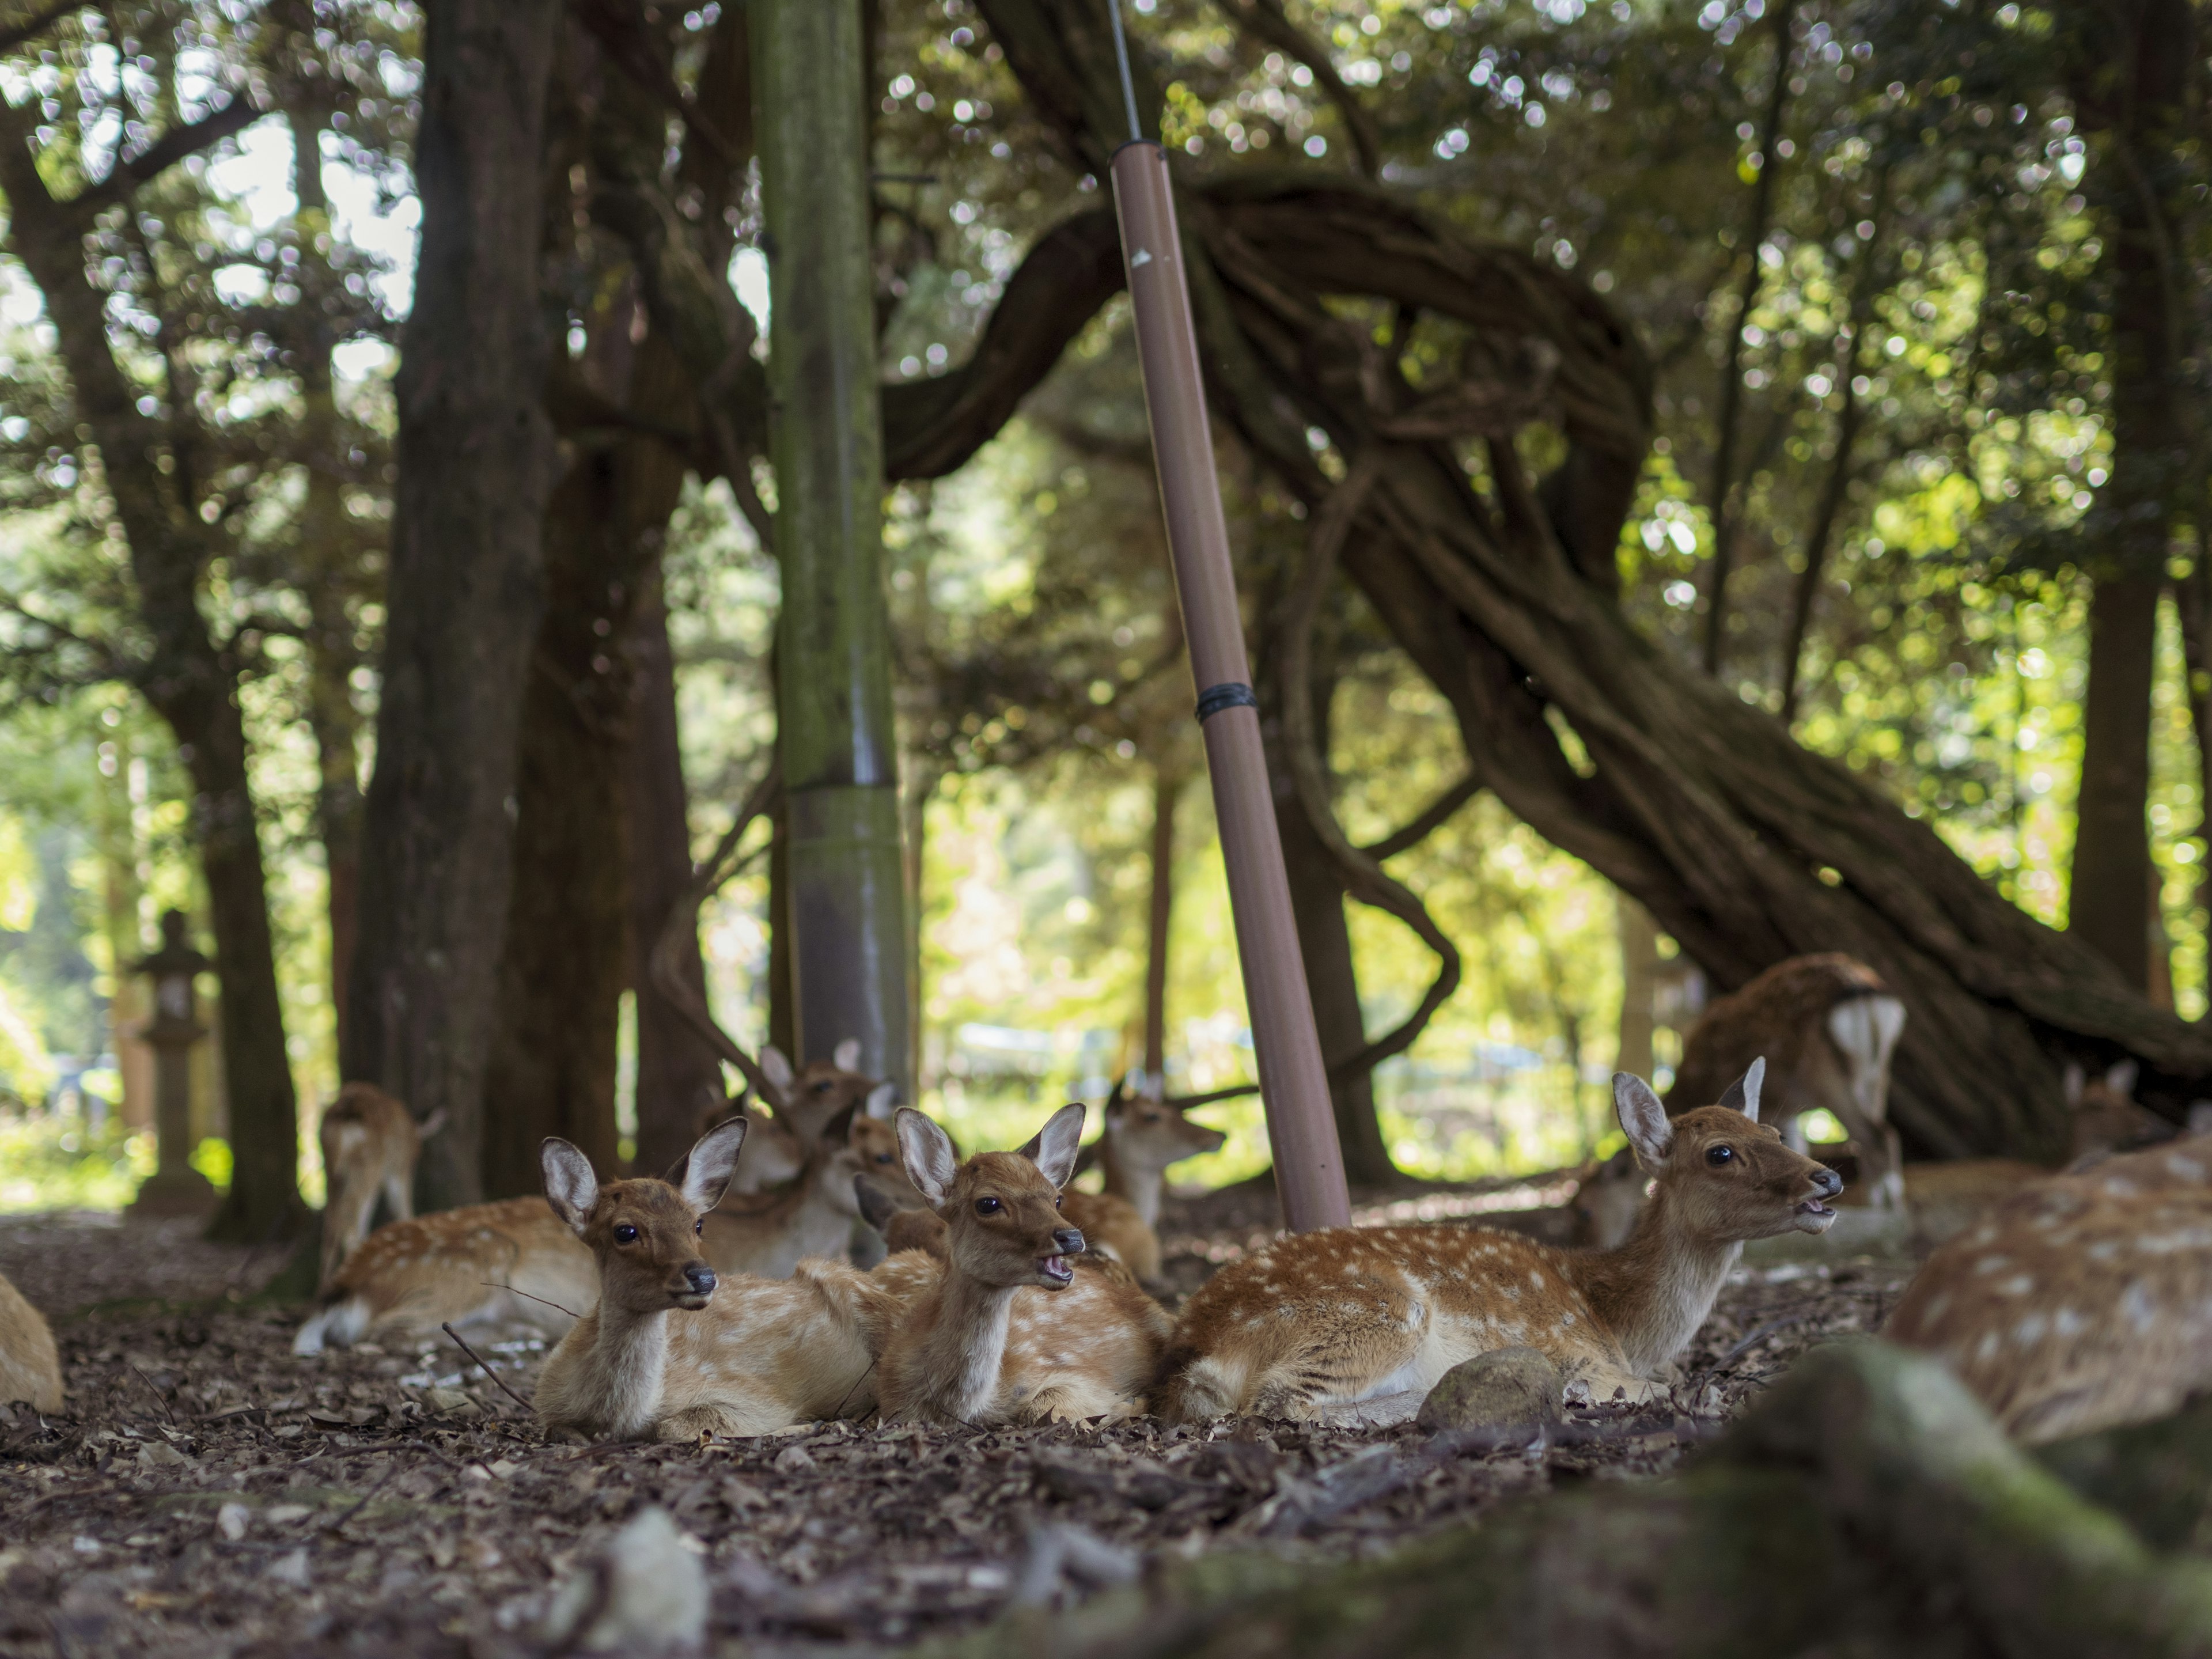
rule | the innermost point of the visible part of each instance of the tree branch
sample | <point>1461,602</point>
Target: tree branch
<point>1267,20</point>
<point>1432,818</point>
<point>164,152</point>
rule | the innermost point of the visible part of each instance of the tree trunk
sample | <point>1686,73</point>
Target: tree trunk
<point>1167,785</point>
<point>1639,981</point>
<point>476,467</point>
<point>678,1076</point>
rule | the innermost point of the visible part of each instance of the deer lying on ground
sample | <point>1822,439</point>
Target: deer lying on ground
<point>2083,1303</point>
<point>1010,1332</point>
<point>370,1142</point>
<point>30,1366</point>
<point>671,1349</point>
<point>1608,1201</point>
<point>514,1262</point>
<point>1349,1314</point>
<point>1141,1138</point>
<point>1827,1026</point>
<point>800,1104</point>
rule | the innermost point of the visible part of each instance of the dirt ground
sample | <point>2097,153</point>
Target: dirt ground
<point>209,1494</point>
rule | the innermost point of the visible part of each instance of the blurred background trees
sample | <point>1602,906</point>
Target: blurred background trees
<point>1911,290</point>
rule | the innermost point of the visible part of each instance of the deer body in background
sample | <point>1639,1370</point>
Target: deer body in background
<point>1827,1026</point>
<point>30,1365</point>
<point>1608,1201</point>
<point>370,1142</point>
<point>671,1349</point>
<point>1141,1138</point>
<point>767,1234</point>
<point>800,1105</point>
<point>1351,1314</point>
<point>969,1350</point>
<point>2082,1302</point>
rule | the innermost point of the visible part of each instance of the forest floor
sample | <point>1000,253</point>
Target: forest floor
<point>209,1494</point>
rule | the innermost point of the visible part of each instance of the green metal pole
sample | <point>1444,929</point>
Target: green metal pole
<point>847,900</point>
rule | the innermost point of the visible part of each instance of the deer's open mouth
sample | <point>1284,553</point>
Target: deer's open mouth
<point>1056,1271</point>
<point>1816,1215</point>
<point>690,1300</point>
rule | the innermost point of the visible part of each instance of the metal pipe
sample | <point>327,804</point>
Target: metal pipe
<point>1293,1080</point>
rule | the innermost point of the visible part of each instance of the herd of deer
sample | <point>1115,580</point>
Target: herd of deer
<point>721,1299</point>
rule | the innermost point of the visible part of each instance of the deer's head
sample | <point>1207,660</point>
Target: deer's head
<point>644,1232</point>
<point>1725,1176</point>
<point>1001,1210</point>
<point>1149,1134</point>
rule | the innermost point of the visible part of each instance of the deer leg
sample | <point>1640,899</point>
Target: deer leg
<point>722,1417</point>
<point>1074,1401</point>
<point>1369,1354</point>
<point>399,1194</point>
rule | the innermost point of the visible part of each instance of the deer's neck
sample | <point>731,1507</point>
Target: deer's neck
<point>964,1349</point>
<point>1135,1185</point>
<point>1655,1290</point>
<point>627,1370</point>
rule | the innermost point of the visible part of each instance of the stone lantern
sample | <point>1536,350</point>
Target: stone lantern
<point>175,1188</point>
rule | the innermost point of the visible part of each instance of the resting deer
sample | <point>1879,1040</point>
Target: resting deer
<point>1608,1199</point>
<point>30,1367</point>
<point>1010,1332</point>
<point>1827,1026</point>
<point>370,1142</point>
<point>800,1105</point>
<point>1141,1138</point>
<point>1349,1314</point>
<point>671,1349</point>
<point>2080,1303</point>
<point>513,1262</point>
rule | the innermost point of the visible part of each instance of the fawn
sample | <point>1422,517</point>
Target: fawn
<point>1608,1201</point>
<point>1829,1025</point>
<point>671,1349</point>
<point>800,1106</point>
<point>771,1234</point>
<point>1010,1332</point>
<point>370,1142</point>
<point>30,1367</point>
<point>1140,1140</point>
<point>2080,1303</point>
<point>1351,1314</point>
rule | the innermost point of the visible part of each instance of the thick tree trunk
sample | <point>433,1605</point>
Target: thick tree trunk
<point>678,1076</point>
<point>476,467</point>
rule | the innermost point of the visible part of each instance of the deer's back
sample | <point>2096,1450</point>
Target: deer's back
<point>492,1242</point>
<point>2082,1303</point>
<point>1113,1223</point>
<point>368,1128</point>
<point>1781,1014</point>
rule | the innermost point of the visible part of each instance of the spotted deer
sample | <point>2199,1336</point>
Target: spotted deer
<point>30,1366</point>
<point>2082,1303</point>
<point>800,1103</point>
<point>1010,1332</point>
<point>671,1349</point>
<point>370,1142</point>
<point>513,1262</point>
<point>1140,1140</point>
<point>1827,1026</point>
<point>1343,1315</point>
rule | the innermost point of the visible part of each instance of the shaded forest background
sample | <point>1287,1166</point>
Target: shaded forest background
<point>1844,355</point>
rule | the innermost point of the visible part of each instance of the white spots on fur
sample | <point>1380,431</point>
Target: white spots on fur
<point>2018,1284</point>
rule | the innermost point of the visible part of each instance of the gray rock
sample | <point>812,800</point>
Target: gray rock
<point>1510,1394</point>
<point>645,1593</point>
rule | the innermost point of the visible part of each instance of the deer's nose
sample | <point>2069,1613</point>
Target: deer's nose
<point>1828,1182</point>
<point>700,1277</point>
<point>1069,1241</point>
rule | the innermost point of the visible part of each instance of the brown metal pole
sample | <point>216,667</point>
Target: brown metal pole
<point>1293,1081</point>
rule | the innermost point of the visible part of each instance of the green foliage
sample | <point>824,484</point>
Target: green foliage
<point>58,1163</point>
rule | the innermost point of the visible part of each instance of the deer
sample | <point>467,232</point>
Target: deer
<point>1140,1139</point>
<point>1608,1199</point>
<point>1322,1319</point>
<point>513,1261</point>
<point>370,1142</point>
<point>672,1349</point>
<point>30,1365</point>
<point>1010,1332</point>
<point>2082,1302</point>
<point>1829,1024</point>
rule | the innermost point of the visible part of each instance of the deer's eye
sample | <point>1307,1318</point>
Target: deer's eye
<point>625,1233</point>
<point>699,1228</point>
<point>883,1157</point>
<point>988,1207</point>
<point>1720,1155</point>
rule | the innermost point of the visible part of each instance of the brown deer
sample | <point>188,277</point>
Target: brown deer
<point>1827,1026</point>
<point>671,1349</point>
<point>2082,1302</point>
<point>1350,1314</point>
<point>1140,1140</point>
<point>1608,1199</point>
<point>767,1234</point>
<point>991,1341</point>
<point>800,1104</point>
<point>30,1367</point>
<point>370,1142</point>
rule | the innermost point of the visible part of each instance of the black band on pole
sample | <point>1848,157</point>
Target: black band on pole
<point>1230,694</point>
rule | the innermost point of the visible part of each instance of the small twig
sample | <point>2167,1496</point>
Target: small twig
<point>487,1370</point>
<point>382,1480</point>
<point>151,1389</point>
<point>1750,1342</point>
<point>857,1381</point>
<point>526,1295</point>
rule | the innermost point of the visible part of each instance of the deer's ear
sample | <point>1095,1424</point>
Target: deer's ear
<point>702,1174</point>
<point>925,1151</point>
<point>2121,1078</point>
<point>1742,1095</point>
<point>881,1099</point>
<point>1055,1149</point>
<point>570,1187</point>
<point>774,1067</point>
<point>838,1130</point>
<point>2075,1083</point>
<point>846,1056</point>
<point>430,1125</point>
<point>1644,1119</point>
<point>876,1205</point>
